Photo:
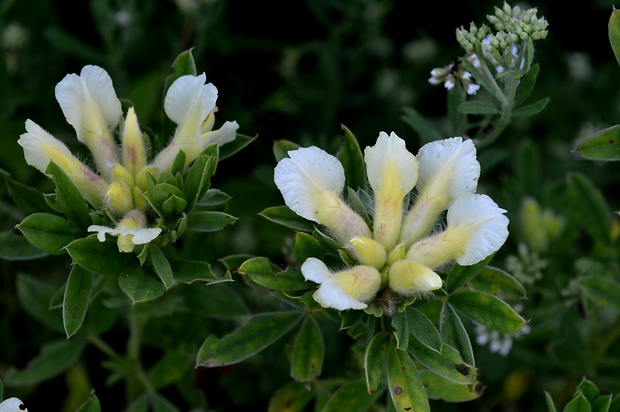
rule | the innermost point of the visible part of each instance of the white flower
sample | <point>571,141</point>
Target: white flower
<point>12,405</point>
<point>348,289</point>
<point>190,103</point>
<point>131,231</point>
<point>41,148</point>
<point>445,175</point>
<point>90,105</point>
<point>311,182</point>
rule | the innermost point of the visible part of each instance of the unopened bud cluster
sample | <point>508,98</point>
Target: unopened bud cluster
<point>512,27</point>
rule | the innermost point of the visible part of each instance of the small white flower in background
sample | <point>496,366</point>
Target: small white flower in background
<point>451,74</point>
<point>499,342</point>
<point>402,249</point>
<point>89,104</point>
<point>12,405</point>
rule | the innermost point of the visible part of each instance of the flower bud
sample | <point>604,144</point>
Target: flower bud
<point>407,278</point>
<point>368,251</point>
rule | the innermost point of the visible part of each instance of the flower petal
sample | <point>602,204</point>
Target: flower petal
<point>226,133</point>
<point>407,277</point>
<point>311,181</point>
<point>392,172</point>
<point>12,405</point>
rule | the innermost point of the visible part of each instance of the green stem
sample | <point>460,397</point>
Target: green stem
<point>137,380</point>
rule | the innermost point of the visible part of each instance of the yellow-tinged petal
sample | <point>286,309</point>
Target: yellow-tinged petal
<point>392,172</point>
<point>348,289</point>
<point>409,278</point>
<point>134,154</point>
<point>368,252</point>
<point>131,231</point>
<point>41,148</point>
<point>119,198</point>
<point>90,105</point>
<point>447,170</point>
<point>311,181</point>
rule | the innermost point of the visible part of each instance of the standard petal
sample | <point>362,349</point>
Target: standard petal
<point>41,148</point>
<point>447,170</point>
<point>91,106</point>
<point>479,225</point>
<point>392,172</point>
<point>188,97</point>
<point>311,181</point>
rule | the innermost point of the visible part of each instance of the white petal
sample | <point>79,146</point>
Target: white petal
<point>226,133</point>
<point>142,236</point>
<point>12,405</point>
<point>315,270</point>
<point>448,167</point>
<point>389,162</point>
<point>89,94</point>
<point>306,174</point>
<point>34,143</point>
<point>483,222</point>
<point>101,231</point>
<point>189,96</point>
<point>472,88</point>
<point>331,297</point>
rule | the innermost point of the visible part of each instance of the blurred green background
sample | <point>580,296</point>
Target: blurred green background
<point>297,70</point>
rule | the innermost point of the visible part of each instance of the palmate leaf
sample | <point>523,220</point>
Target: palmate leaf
<point>76,299</point>
<point>602,145</point>
<point>487,310</point>
<point>268,275</point>
<point>141,284</point>
<point>48,232</point>
<point>454,333</point>
<point>438,387</point>
<point>351,397</point>
<point>447,362</point>
<point>374,359</point>
<point>257,333</point>
<point>100,257</point>
<point>308,352</point>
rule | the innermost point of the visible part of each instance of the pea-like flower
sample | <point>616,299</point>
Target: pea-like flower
<point>407,242</point>
<point>90,104</point>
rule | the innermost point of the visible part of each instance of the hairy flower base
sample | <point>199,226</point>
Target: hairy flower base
<point>401,252</point>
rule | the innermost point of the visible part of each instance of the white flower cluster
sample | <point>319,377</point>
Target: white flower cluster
<point>403,246</point>
<point>89,104</point>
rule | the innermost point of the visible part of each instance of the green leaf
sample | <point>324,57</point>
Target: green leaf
<point>141,284</point>
<point>209,221</point>
<point>614,32</point>
<point>602,145</point>
<point>169,369</point>
<point>213,197</point>
<point>460,275</point>
<point>498,283</point>
<point>423,329</point>
<point>401,329</point>
<point>161,265</point>
<point>140,404</point>
<point>236,145</point>
<point>34,295</point>
<point>588,389</point>
<point>76,299</point>
<point>308,352</point>
<point>189,271</point>
<point>374,360</point>
<point>282,147</point>
<point>351,397</point>
<point>441,388</point>
<point>406,388</point>
<point>550,404</point>
<point>590,206</point>
<point>284,216</point>
<point>487,310</point>
<point>426,130</point>
<point>50,233</point>
<point>478,107</point>
<point>27,199</point>
<point>290,397</point>
<point>447,363</point>
<point>259,332</point>
<point>307,246</point>
<point>601,404</point>
<point>602,291</point>
<point>454,333</point>
<point>350,155</point>
<point>197,181</point>
<point>55,357</point>
<point>458,120</point>
<point>100,257</point>
<point>526,85</point>
<point>578,404</point>
<point>91,405</point>
<point>261,271</point>
<point>16,247</point>
<point>69,199</point>
<point>531,109</point>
